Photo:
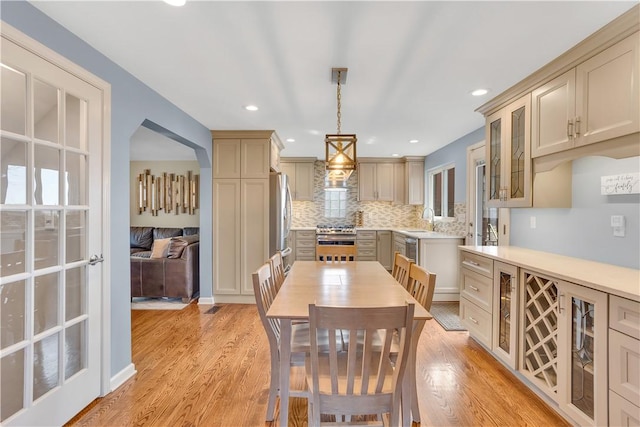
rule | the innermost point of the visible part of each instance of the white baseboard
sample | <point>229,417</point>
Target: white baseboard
<point>446,296</point>
<point>206,301</point>
<point>121,377</point>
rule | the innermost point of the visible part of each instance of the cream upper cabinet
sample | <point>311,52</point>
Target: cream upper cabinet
<point>399,184</point>
<point>509,155</point>
<point>245,154</point>
<point>301,178</point>
<point>226,158</point>
<point>375,181</point>
<point>608,93</point>
<point>595,101</point>
<point>415,180</point>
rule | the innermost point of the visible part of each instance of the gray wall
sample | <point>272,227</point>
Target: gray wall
<point>584,230</point>
<point>133,104</point>
<point>455,152</point>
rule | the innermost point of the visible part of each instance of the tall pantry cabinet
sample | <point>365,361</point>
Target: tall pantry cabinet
<point>242,162</point>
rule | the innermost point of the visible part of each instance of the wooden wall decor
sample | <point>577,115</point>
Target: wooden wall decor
<point>168,192</point>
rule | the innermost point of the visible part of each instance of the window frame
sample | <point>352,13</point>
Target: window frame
<point>445,203</point>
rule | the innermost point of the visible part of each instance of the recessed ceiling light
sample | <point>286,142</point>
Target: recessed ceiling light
<point>175,2</point>
<point>291,140</point>
<point>479,92</point>
<point>395,155</point>
<point>251,108</point>
<point>413,141</point>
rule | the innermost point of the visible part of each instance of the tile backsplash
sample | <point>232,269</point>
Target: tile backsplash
<point>375,214</point>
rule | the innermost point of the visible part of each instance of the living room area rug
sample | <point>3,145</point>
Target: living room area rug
<point>142,303</point>
<point>446,314</point>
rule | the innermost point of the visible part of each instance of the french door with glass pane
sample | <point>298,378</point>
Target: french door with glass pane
<point>50,223</point>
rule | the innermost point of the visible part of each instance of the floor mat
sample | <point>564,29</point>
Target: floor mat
<point>446,314</point>
<point>139,303</point>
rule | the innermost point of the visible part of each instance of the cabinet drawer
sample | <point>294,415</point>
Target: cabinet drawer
<point>477,321</point>
<point>366,244</point>
<point>305,243</point>
<point>366,234</point>
<point>306,253</point>
<point>477,288</point>
<point>624,365</point>
<point>624,316</point>
<point>366,252</point>
<point>622,412</point>
<point>477,263</point>
<point>306,234</point>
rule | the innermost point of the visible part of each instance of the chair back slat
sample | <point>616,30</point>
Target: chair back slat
<point>336,253</point>
<point>422,285</point>
<point>401,267</point>
<point>277,270</point>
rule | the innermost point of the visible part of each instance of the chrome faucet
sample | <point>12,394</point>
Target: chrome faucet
<point>430,220</point>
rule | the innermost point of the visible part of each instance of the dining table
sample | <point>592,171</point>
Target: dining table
<point>347,284</point>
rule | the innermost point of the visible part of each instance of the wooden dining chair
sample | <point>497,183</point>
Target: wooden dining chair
<point>422,285</point>
<point>265,292</point>
<point>401,266</point>
<point>277,269</point>
<point>361,380</point>
<point>336,253</point>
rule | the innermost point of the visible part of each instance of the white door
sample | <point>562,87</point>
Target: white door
<point>50,225</point>
<point>486,226</point>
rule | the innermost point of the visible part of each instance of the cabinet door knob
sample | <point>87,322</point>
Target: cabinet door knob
<point>570,129</point>
<point>577,131</point>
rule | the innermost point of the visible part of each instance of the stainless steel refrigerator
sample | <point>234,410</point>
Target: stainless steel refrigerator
<point>279,214</point>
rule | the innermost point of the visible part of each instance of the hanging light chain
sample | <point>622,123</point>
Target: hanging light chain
<point>339,102</point>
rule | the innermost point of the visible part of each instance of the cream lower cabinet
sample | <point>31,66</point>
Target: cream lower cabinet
<point>505,313</point>
<point>476,296</point>
<point>305,245</point>
<point>563,345</point>
<point>367,245</point>
<point>383,249</point>
<point>555,334</point>
<point>241,228</point>
<point>398,244</point>
<point>624,362</point>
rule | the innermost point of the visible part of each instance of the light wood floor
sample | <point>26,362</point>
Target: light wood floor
<point>197,369</point>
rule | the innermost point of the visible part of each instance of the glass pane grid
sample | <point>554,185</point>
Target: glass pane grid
<point>335,203</point>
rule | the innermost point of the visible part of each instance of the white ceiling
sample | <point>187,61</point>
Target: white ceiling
<point>412,65</point>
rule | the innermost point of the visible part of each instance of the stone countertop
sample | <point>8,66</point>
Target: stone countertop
<point>411,232</point>
<point>612,279</point>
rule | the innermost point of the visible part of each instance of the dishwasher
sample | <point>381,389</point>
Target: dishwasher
<point>411,248</point>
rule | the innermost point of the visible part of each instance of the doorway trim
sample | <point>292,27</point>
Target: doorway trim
<point>39,49</point>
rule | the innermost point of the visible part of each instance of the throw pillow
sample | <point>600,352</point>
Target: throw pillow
<point>160,248</point>
<point>177,245</point>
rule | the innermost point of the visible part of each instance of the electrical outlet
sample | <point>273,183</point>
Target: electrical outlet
<point>532,222</point>
<point>617,223</point>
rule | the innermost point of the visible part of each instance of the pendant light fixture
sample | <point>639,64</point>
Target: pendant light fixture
<point>340,148</point>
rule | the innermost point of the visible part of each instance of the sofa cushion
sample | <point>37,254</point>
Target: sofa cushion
<point>141,237</point>
<point>165,232</point>
<point>141,254</point>
<point>160,248</point>
<point>190,231</point>
<point>177,244</point>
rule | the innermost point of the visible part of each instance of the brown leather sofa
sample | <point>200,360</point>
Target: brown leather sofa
<point>165,262</point>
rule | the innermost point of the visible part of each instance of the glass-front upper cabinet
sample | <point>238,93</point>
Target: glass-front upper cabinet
<point>509,155</point>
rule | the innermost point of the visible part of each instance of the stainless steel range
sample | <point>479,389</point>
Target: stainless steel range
<point>336,234</point>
